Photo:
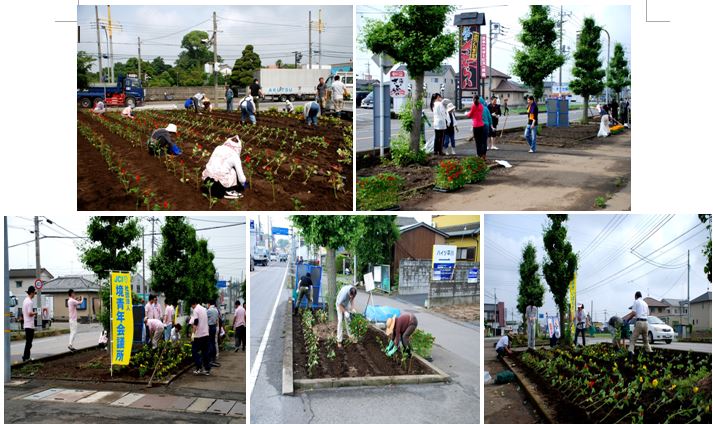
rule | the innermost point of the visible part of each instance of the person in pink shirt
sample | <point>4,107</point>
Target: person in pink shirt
<point>201,338</point>
<point>155,330</point>
<point>168,319</point>
<point>28,322</point>
<point>239,325</point>
<point>72,304</point>
<point>479,135</point>
<point>152,310</point>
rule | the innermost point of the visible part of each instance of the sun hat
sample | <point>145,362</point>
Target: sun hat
<point>390,325</point>
<point>171,128</point>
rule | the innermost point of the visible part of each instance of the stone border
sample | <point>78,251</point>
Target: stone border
<point>534,397</point>
<point>289,385</point>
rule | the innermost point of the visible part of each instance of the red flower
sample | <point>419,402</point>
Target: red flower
<point>591,384</point>
<point>123,171</point>
<point>182,162</point>
<point>199,147</point>
<point>247,159</point>
<point>165,204</point>
<point>138,178</point>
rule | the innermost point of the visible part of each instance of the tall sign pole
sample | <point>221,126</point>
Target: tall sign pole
<point>38,269</point>
<point>215,56</point>
<point>469,66</point>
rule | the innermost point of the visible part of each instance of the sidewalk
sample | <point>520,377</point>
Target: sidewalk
<point>87,335</point>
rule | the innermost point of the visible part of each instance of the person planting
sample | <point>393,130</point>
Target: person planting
<point>176,332</point>
<point>247,109</point>
<point>640,312</point>
<point>619,329</point>
<point>197,100</point>
<point>99,108</point>
<point>128,112</point>
<point>161,141</point>
<point>304,288</point>
<point>289,107</point>
<point>345,299</point>
<point>155,330</point>
<point>503,346</point>
<point>400,329</point>
<point>312,111</point>
<point>223,174</point>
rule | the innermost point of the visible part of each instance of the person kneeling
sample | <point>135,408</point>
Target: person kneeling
<point>161,141</point>
<point>223,174</point>
<point>311,112</point>
<point>399,329</point>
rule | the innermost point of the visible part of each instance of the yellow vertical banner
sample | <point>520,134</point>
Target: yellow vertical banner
<point>572,302</point>
<point>122,318</point>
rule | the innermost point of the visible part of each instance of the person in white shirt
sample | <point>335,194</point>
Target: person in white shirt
<point>503,346</point>
<point>168,320</point>
<point>72,304</point>
<point>28,322</point>
<point>641,326</point>
<point>338,94</point>
<point>581,327</point>
<point>440,117</point>
<point>223,175</point>
<point>99,108</point>
<point>176,333</point>
<point>201,338</point>
<point>155,330</point>
<point>128,112</point>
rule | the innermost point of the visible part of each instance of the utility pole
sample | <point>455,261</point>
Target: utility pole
<point>139,38</point>
<point>111,44</point>
<point>605,315</point>
<point>688,302</point>
<point>143,259</point>
<point>215,55</point>
<point>320,28</point>
<point>99,44</point>
<point>37,262</point>
<point>606,90</point>
<point>8,312</point>
<point>309,37</point>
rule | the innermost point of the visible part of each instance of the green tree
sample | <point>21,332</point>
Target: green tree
<point>619,76</point>
<point>413,35</point>
<point>539,57</point>
<point>278,63</point>
<point>587,71</point>
<point>196,52</point>
<point>111,246</point>
<point>531,291</point>
<point>330,232</point>
<point>84,64</point>
<point>559,266</point>
<point>244,68</point>
<point>374,239</point>
<point>183,267</point>
<point>706,220</point>
<point>159,65</point>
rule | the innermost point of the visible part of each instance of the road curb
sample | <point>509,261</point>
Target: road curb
<point>534,397</point>
<point>287,377</point>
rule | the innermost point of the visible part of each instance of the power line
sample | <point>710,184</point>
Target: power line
<point>178,32</point>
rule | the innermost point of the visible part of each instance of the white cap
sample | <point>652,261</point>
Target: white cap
<point>171,128</point>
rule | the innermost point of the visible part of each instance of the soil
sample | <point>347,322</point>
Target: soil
<point>363,359</point>
<point>98,188</point>
<point>89,365</point>
<point>465,312</point>
<point>580,135</point>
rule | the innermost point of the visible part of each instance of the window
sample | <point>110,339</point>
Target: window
<point>465,254</point>
<point>18,284</point>
<point>435,80</point>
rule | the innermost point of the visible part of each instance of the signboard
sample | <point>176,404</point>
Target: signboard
<point>468,42</point>
<point>38,284</point>
<point>369,282</point>
<point>398,88</point>
<point>377,273</point>
<point>280,231</point>
<point>221,284</point>
<point>553,325</point>
<point>444,261</point>
<point>252,224</point>
<point>483,56</point>
<point>122,318</point>
<point>473,275</point>
<point>572,302</point>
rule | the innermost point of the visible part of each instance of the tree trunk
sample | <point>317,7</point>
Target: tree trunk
<point>563,335</point>
<point>585,113</point>
<point>331,271</point>
<point>416,110</point>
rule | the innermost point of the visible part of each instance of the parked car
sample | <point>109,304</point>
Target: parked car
<point>283,257</point>
<point>262,257</point>
<point>368,101</point>
<point>658,330</point>
<point>273,257</point>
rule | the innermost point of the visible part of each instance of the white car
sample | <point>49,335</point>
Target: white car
<point>658,331</point>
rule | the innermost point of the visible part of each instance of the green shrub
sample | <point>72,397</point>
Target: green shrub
<point>299,109</point>
<point>475,169</point>
<point>402,155</point>
<point>358,326</point>
<point>450,175</point>
<point>379,191</point>
<point>422,343</point>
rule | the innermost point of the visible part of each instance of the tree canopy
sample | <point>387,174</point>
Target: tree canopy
<point>587,71</point>
<point>560,264</point>
<point>539,57</point>
<point>619,76</point>
<point>84,64</point>
<point>244,68</point>
<point>531,291</point>
<point>374,239</point>
<point>414,35</point>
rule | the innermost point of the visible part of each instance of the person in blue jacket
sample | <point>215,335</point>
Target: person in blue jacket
<point>487,124</point>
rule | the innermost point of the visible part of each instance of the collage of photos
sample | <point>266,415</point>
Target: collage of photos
<point>348,213</point>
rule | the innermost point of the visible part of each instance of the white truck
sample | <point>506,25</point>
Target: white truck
<point>290,84</point>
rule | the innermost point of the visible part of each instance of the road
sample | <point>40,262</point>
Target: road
<point>365,125</point>
<point>171,105</point>
<point>87,335</point>
<point>683,346</point>
<point>456,351</point>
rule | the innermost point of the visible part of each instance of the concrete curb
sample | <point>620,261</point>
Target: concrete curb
<point>287,377</point>
<point>534,397</point>
<point>438,376</point>
<point>21,336</point>
<point>51,357</point>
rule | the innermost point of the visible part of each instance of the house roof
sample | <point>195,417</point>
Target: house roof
<point>705,297</point>
<point>80,283</point>
<point>469,229</point>
<point>424,225</point>
<point>496,73</point>
<point>653,302</point>
<point>439,71</point>
<point>674,302</point>
<point>405,221</point>
<point>27,273</point>
<point>509,86</point>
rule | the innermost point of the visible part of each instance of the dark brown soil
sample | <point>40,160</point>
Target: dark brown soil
<point>317,194</point>
<point>575,135</point>
<point>363,359</point>
<point>90,365</point>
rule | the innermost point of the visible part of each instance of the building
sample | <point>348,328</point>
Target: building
<point>22,279</point>
<point>676,313</point>
<point>85,286</point>
<point>503,88</point>
<point>464,232</point>
<point>701,313</point>
<point>416,242</point>
<point>656,307</point>
<point>494,318</point>
<point>443,75</point>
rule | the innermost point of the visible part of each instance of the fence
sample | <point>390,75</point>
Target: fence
<point>415,278</point>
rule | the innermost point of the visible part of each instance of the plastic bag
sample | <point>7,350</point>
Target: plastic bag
<point>429,144</point>
<point>381,313</point>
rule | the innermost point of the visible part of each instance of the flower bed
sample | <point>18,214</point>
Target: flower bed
<point>599,384</point>
<point>379,192</point>
<point>290,167</point>
<point>450,175</point>
<point>475,168</point>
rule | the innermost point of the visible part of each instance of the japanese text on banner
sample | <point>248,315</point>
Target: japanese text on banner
<point>122,318</point>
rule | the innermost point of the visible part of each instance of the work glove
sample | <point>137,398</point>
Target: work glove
<point>390,352</point>
<point>391,344</point>
<point>347,317</point>
<point>246,185</point>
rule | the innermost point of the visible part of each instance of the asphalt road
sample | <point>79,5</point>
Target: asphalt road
<point>168,105</point>
<point>365,125</point>
<point>87,335</point>
<point>456,352</point>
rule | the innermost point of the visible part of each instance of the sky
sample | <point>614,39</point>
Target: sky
<point>610,272</point>
<point>275,31</point>
<point>60,256</point>
<point>615,19</point>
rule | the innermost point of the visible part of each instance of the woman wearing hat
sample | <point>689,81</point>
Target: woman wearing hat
<point>400,330</point>
<point>451,128</point>
<point>161,141</point>
<point>224,171</point>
